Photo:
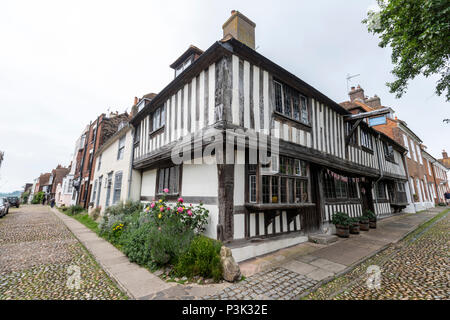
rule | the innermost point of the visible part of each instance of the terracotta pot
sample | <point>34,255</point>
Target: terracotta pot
<point>373,224</point>
<point>342,231</point>
<point>354,229</point>
<point>364,226</point>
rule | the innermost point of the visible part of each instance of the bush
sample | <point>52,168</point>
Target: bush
<point>38,197</point>
<point>136,243</point>
<point>202,259</point>
<point>370,215</point>
<point>73,210</point>
<point>340,218</point>
<point>169,241</point>
<point>126,208</point>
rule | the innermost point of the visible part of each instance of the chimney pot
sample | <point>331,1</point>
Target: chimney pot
<point>444,154</point>
<point>136,100</point>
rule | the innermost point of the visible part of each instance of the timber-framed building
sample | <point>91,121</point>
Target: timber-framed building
<point>326,162</point>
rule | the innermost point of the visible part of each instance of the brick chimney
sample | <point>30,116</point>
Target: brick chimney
<point>374,102</point>
<point>357,93</point>
<point>444,154</point>
<point>241,28</point>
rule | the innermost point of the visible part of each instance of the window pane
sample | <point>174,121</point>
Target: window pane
<point>166,178</point>
<point>161,181</point>
<point>163,116</point>
<point>283,190</point>
<point>304,111</point>
<point>252,191</point>
<point>291,190</point>
<point>278,97</point>
<point>297,167</point>
<point>296,107</point>
<point>298,191</point>
<point>305,197</point>
<point>287,101</point>
<point>275,195</point>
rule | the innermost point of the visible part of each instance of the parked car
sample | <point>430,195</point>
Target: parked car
<point>14,201</point>
<point>4,206</point>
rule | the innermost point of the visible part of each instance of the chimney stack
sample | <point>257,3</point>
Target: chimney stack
<point>241,28</point>
<point>444,154</point>
<point>357,93</point>
<point>136,100</point>
<point>374,102</point>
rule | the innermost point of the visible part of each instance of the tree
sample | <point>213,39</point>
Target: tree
<point>419,33</point>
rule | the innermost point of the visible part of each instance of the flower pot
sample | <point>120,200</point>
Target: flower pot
<point>342,231</point>
<point>354,229</point>
<point>373,224</point>
<point>364,226</point>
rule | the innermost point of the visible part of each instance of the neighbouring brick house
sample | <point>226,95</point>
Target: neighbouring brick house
<point>56,178</point>
<point>420,196</point>
<point>94,135</point>
<point>436,177</point>
<point>44,183</point>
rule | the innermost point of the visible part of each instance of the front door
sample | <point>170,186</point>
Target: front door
<point>366,195</point>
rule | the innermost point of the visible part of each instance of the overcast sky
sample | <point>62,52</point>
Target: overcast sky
<point>62,63</point>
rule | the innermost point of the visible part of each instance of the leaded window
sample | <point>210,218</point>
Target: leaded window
<point>338,186</point>
<point>169,178</point>
<point>117,186</point>
<point>291,103</point>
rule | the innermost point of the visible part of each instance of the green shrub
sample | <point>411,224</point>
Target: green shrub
<point>126,208</point>
<point>73,210</point>
<point>340,218</point>
<point>202,259</point>
<point>136,243</point>
<point>38,197</point>
<point>354,220</point>
<point>169,241</point>
<point>370,215</point>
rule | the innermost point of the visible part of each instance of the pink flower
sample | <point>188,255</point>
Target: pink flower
<point>159,228</point>
<point>168,209</point>
<point>180,209</point>
<point>180,199</point>
<point>189,213</point>
<point>166,190</point>
<point>161,209</point>
<point>152,205</point>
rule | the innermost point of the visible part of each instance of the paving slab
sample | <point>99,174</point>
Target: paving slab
<point>319,274</point>
<point>299,267</point>
<point>328,265</point>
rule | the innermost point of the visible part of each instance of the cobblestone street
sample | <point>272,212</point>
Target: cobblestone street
<point>415,268</point>
<point>38,255</point>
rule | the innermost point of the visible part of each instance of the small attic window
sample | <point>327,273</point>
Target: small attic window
<point>183,66</point>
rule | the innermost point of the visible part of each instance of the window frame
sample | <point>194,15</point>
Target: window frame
<point>121,149</point>
<point>159,191</point>
<point>281,187</point>
<point>288,93</point>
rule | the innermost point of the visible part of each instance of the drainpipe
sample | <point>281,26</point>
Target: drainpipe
<point>130,171</point>
<point>381,170</point>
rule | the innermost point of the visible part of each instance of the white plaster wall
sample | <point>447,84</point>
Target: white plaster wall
<point>135,187</point>
<point>110,163</point>
<point>148,183</point>
<point>239,226</point>
<point>239,179</point>
<point>200,180</point>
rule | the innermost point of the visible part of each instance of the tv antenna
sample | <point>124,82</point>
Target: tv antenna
<point>350,77</point>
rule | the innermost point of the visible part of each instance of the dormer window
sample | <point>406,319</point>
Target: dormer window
<point>186,59</point>
<point>184,66</point>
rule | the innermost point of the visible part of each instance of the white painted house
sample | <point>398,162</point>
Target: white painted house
<point>113,173</point>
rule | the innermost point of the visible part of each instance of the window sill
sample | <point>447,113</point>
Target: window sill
<point>298,122</point>
<point>157,131</point>
<point>367,149</point>
<point>278,206</point>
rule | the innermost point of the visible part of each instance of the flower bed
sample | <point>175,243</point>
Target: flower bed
<point>166,236</point>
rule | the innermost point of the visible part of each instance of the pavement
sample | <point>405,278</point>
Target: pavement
<point>284,274</point>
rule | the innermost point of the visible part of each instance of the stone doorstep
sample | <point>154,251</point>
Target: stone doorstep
<point>322,238</point>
